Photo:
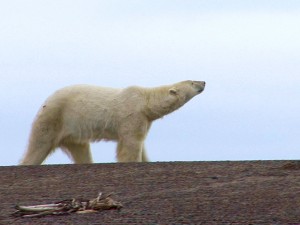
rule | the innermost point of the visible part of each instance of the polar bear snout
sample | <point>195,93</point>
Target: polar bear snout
<point>202,83</point>
<point>199,85</point>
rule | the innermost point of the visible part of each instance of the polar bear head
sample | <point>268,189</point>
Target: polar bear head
<point>166,99</point>
<point>186,90</point>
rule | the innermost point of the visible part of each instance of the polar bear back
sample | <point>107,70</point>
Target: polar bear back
<point>86,111</point>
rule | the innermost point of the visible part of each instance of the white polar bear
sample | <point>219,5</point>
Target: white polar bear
<point>75,116</point>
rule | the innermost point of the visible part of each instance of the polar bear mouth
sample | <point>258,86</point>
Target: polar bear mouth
<point>200,89</point>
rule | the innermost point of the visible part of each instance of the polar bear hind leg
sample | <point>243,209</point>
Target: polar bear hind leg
<point>80,153</point>
<point>40,146</point>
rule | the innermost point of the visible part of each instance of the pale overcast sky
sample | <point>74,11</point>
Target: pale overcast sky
<point>248,52</point>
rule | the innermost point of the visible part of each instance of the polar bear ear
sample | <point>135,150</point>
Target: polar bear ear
<point>173,91</point>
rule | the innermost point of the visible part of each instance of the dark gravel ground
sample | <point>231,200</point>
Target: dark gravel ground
<point>243,192</point>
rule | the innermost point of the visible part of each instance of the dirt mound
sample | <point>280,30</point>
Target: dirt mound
<point>248,192</point>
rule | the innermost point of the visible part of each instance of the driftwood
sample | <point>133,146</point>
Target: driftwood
<point>68,206</point>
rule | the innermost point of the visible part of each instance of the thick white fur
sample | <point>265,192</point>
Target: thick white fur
<point>75,116</point>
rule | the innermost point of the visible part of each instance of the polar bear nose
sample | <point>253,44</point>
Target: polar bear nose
<point>201,86</point>
<point>202,83</point>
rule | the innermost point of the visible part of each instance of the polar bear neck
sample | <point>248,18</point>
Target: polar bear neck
<point>159,103</point>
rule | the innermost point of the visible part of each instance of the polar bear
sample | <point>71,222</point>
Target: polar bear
<point>76,115</point>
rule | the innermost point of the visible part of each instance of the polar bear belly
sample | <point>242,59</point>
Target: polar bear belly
<point>85,129</point>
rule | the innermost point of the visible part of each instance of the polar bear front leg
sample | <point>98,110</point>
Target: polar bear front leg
<point>144,155</point>
<point>129,151</point>
<point>132,133</point>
